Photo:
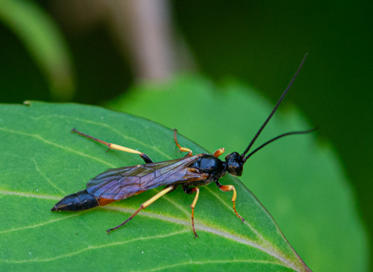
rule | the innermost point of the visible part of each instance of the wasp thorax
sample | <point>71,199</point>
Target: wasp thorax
<point>234,164</point>
<point>208,164</point>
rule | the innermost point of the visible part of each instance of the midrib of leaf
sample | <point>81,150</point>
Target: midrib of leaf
<point>161,236</point>
<point>205,262</point>
<point>264,244</point>
<point>199,226</point>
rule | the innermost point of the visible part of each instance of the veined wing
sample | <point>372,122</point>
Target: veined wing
<point>121,183</point>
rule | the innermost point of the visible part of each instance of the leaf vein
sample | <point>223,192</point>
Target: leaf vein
<point>94,247</point>
<point>39,224</point>
<point>206,262</point>
<point>48,180</point>
<point>40,138</point>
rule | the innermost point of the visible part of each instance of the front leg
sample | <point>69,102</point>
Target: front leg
<point>226,188</point>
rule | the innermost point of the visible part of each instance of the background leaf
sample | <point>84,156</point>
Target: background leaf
<point>299,180</point>
<point>42,161</point>
<point>44,42</point>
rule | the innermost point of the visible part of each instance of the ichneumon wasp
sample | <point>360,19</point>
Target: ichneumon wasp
<point>190,172</point>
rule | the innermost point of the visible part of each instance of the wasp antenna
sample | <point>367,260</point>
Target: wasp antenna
<point>276,106</point>
<point>276,138</point>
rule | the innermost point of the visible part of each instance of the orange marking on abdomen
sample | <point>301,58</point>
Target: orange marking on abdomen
<point>104,201</point>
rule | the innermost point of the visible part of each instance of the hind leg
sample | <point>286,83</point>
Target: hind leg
<point>115,146</point>
<point>144,205</point>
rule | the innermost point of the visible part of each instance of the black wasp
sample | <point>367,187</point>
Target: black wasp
<point>191,172</point>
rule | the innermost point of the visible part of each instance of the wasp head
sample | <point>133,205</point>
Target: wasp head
<point>234,164</point>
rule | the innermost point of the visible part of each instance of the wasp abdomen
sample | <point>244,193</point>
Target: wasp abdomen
<point>75,202</point>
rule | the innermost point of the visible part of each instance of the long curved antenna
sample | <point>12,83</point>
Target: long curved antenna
<point>276,106</point>
<point>276,138</point>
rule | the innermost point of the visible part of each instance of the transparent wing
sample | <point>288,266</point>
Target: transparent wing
<point>121,183</point>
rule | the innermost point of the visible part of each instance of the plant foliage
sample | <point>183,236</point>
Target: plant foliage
<point>42,161</point>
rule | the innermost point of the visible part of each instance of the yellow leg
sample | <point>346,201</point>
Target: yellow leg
<point>143,206</point>
<point>182,149</point>
<point>195,189</point>
<point>115,146</point>
<point>226,188</point>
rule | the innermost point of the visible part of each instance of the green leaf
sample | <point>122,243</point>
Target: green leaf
<point>42,161</point>
<point>43,40</point>
<point>299,180</point>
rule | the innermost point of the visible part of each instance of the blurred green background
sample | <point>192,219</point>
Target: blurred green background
<point>93,51</point>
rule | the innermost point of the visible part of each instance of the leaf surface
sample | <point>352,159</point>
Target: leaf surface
<point>41,161</point>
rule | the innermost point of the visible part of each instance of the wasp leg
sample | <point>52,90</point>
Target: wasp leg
<point>116,147</point>
<point>189,190</point>
<point>182,149</point>
<point>227,188</point>
<point>143,206</point>
<point>218,152</point>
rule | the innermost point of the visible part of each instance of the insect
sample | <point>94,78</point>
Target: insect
<point>190,172</point>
